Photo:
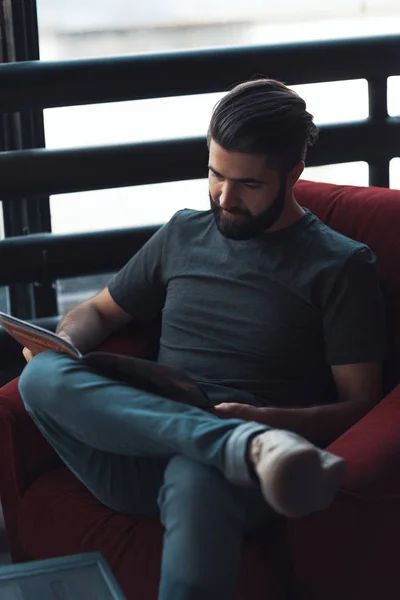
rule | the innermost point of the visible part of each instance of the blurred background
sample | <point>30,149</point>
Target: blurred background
<point>73,29</point>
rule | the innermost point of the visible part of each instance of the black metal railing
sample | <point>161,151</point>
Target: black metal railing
<point>38,173</point>
<point>48,172</point>
<point>135,77</point>
<point>48,256</point>
<point>21,130</point>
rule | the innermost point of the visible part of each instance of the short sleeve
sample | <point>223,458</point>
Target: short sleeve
<point>138,288</point>
<point>354,318</point>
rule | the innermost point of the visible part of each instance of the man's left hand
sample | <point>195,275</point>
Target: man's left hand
<point>234,410</point>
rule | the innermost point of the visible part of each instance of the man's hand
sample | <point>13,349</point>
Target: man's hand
<point>27,354</point>
<point>234,410</point>
<point>359,390</point>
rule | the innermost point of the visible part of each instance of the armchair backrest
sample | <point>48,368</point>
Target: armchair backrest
<point>372,216</point>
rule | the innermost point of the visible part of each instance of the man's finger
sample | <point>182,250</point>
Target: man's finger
<point>232,407</point>
<point>27,354</point>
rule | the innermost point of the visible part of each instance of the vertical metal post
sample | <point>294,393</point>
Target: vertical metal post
<point>23,130</point>
<point>377,92</point>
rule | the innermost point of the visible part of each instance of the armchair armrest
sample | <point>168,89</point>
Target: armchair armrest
<point>347,551</point>
<point>24,456</point>
<point>134,340</point>
<point>372,451</point>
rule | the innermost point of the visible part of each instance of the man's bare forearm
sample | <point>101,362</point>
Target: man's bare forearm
<point>319,424</point>
<point>84,326</point>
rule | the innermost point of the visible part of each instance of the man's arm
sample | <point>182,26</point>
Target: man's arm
<point>359,390</point>
<point>89,323</point>
<point>136,291</point>
<point>355,342</point>
<point>92,321</point>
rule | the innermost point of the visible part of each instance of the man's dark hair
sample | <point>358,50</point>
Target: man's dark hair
<point>263,116</point>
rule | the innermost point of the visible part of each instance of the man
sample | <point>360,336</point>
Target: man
<point>277,318</point>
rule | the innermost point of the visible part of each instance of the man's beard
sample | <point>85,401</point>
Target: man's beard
<point>247,226</point>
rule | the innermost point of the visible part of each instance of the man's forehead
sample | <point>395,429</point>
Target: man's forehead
<point>237,164</point>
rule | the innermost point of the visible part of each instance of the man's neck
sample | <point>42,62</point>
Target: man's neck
<point>291,213</point>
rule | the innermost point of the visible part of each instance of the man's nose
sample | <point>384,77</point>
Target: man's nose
<point>227,198</point>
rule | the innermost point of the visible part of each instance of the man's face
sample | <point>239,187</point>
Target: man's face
<point>246,196</point>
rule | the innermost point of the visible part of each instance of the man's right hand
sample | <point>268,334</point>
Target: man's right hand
<point>28,353</point>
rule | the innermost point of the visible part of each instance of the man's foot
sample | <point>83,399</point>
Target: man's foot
<point>296,477</point>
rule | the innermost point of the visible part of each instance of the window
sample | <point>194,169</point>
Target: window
<point>80,28</point>
<point>121,122</point>
<point>336,101</point>
<point>127,207</point>
<point>394,96</point>
<point>395,173</point>
<point>352,173</point>
<point>88,28</point>
<point>162,119</point>
<point>77,289</point>
<point>184,117</point>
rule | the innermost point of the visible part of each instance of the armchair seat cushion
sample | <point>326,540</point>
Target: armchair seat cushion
<point>59,516</point>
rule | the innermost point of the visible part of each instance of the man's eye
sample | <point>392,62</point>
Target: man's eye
<point>252,186</point>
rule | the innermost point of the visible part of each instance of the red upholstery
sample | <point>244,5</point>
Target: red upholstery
<point>372,216</point>
<point>132,546</point>
<point>346,552</point>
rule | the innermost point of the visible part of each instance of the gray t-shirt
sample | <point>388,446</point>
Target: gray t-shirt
<point>258,321</point>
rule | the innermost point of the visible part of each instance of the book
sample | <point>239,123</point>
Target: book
<point>143,374</point>
<point>87,576</point>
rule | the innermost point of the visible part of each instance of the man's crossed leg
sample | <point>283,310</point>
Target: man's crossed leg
<point>211,480</point>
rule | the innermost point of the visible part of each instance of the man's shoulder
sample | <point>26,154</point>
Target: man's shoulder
<point>327,243</point>
<point>326,258</point>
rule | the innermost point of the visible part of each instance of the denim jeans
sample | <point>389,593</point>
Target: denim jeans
<point>142,454</point>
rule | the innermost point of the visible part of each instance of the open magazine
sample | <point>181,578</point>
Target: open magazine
<point>140,373</point>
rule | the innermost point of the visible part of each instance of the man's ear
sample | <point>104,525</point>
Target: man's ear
<point>295,173</point>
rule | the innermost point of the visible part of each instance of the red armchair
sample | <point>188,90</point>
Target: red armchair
<point>346,552</point>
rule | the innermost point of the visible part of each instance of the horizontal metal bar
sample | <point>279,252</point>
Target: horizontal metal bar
<point>359,141</point>
<point>98,80</point>
<point>74,170</point>
<point>34,257</point>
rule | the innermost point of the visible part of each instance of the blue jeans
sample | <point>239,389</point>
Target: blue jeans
<point>142,454</point>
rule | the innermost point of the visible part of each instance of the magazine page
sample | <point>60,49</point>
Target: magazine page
<point>36,338</point>
<point>143,374</point>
